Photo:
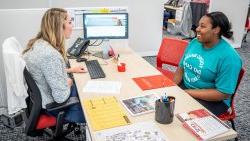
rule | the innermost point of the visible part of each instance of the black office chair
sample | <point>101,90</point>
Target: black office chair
<point>38,121</point>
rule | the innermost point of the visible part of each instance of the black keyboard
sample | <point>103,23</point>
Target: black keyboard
<point>94,69</point>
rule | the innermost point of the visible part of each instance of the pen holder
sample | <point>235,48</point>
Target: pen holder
<point>121,67</point>
<point>164,111</point>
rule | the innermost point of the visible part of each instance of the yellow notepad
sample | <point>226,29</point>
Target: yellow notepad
<point>105,112</point>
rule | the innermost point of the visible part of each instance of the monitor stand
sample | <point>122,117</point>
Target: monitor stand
<point>104,54</point>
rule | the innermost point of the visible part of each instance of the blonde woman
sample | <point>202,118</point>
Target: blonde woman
<point>45,59</point>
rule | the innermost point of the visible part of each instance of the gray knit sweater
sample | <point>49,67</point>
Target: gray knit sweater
<point>47,67</point>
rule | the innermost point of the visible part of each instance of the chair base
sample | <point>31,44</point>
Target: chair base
<point>61,139</point>
<point>233,126</point>
<point>71,127</point>
<point>244,38</point>
<point>232,123</point>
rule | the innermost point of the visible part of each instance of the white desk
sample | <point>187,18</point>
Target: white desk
<point>135,67</point>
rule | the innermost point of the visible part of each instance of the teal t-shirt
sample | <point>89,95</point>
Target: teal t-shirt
<point>217,67</point>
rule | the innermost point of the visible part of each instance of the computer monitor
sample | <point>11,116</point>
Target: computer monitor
<point>105,26</point>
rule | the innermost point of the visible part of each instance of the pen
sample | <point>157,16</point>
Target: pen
<point>164,99</point>
<point>126,119</point>
<point>92,104</point>
<point>118,60</point>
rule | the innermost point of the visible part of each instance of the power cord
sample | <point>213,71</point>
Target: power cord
<point>93,44</point>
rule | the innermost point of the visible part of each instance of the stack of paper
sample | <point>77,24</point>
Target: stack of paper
<point>103,87</point>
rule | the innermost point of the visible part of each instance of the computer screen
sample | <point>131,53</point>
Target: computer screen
<point>105,25</point>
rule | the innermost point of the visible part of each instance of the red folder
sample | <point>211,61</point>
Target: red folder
<point>153,82</point>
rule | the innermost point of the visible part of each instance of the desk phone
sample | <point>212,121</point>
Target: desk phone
<point>78,47</point>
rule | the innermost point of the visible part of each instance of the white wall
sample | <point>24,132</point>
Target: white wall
<point>236,11</point>
<point>23,4</point>
<point>21,23</point>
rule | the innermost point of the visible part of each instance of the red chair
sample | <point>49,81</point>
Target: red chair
<point>230,114</point>
<point>247,29</point>
<point>170,52</point>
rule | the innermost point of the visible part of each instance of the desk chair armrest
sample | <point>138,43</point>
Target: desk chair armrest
<point>60,106</point>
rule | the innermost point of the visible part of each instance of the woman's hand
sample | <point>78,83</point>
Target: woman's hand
<point>77,69</point>
<point>69,82</point>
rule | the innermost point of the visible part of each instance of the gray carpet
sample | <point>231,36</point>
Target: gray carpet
<point>17,134</point>
<point>242,107</point>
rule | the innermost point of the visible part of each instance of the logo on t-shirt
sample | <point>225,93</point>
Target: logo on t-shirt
<point>193,64</point>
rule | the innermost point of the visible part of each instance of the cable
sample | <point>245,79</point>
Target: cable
<point>93,44</point>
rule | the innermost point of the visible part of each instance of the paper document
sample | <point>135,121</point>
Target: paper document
<point>143,131</point>
<point>153,82</point>
<point>105,112</point>
<point>103,87</point>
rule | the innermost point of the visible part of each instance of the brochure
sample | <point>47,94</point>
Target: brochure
<point>202,124</point>
<point>140,105</point>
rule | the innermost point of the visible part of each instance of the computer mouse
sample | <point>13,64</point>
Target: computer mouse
<point>81,59</point>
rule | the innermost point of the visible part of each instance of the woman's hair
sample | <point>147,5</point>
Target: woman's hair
<point>220,19</point>
<point>52,30</point>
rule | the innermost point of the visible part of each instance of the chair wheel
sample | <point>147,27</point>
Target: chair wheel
<point>77,130</point>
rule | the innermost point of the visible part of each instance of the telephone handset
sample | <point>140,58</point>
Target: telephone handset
<point>78,47</point>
